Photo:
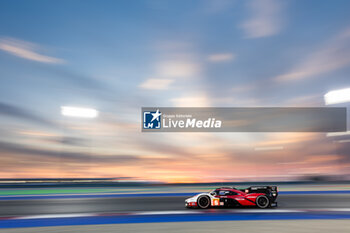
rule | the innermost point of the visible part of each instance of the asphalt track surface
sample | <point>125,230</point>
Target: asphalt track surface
<point>285,226</point>
<point>150,203</point>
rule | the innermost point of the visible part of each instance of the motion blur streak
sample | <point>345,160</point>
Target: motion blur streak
<point>337,96</point>
<point>263,226</point>
<point>74,76</point>
<point>113,204</point>
<point>209,53</point>
<point>83,219</point>
<point>79,112</point>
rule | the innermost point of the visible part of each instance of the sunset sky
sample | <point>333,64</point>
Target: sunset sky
<point>119,56</point>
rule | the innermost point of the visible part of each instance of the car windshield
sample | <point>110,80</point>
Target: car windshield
<point>214,192</point>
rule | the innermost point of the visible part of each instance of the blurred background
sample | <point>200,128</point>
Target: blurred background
<point>74,75</point>
<point>114,57</point>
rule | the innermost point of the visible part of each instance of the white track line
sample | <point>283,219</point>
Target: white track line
<point>168,212</point>
<point>269,211</point>
<point>334,209</point>
<point>216,212</point>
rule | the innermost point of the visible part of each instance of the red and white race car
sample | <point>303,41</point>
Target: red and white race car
<point>260,196</point>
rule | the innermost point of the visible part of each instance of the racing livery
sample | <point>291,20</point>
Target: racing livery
<point>259,196</point>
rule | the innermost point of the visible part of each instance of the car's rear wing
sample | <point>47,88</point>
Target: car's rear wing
<point>269,190</point>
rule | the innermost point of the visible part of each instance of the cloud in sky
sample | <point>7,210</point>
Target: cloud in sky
<point>156,84</point>
<point>221,57</point>
<point>332,56</point>
<point>265,18</point>
<point>178,68</point>
<point>69,156</point>
<point>26,50</point>
<point>191,101</point>
<point>23,114</point>
<point>176,62</point>
<point>188,61</point>
<point>305,100</point>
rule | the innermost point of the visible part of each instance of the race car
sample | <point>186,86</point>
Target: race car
<point>258,196</point>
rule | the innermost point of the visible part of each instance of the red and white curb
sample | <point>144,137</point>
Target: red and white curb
<point>180,212</point>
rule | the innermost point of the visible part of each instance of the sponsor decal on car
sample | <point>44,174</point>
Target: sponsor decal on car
<point>216,202</point>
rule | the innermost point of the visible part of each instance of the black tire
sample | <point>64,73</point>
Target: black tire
<point>262,202</point>
<point>203,202</point>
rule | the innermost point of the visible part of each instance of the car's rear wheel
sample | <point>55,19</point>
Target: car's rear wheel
<point>203,202</point>
<point>262,201</point>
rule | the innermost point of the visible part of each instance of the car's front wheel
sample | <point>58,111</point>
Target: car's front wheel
<point>203,202</point>
<point>262,201</point>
